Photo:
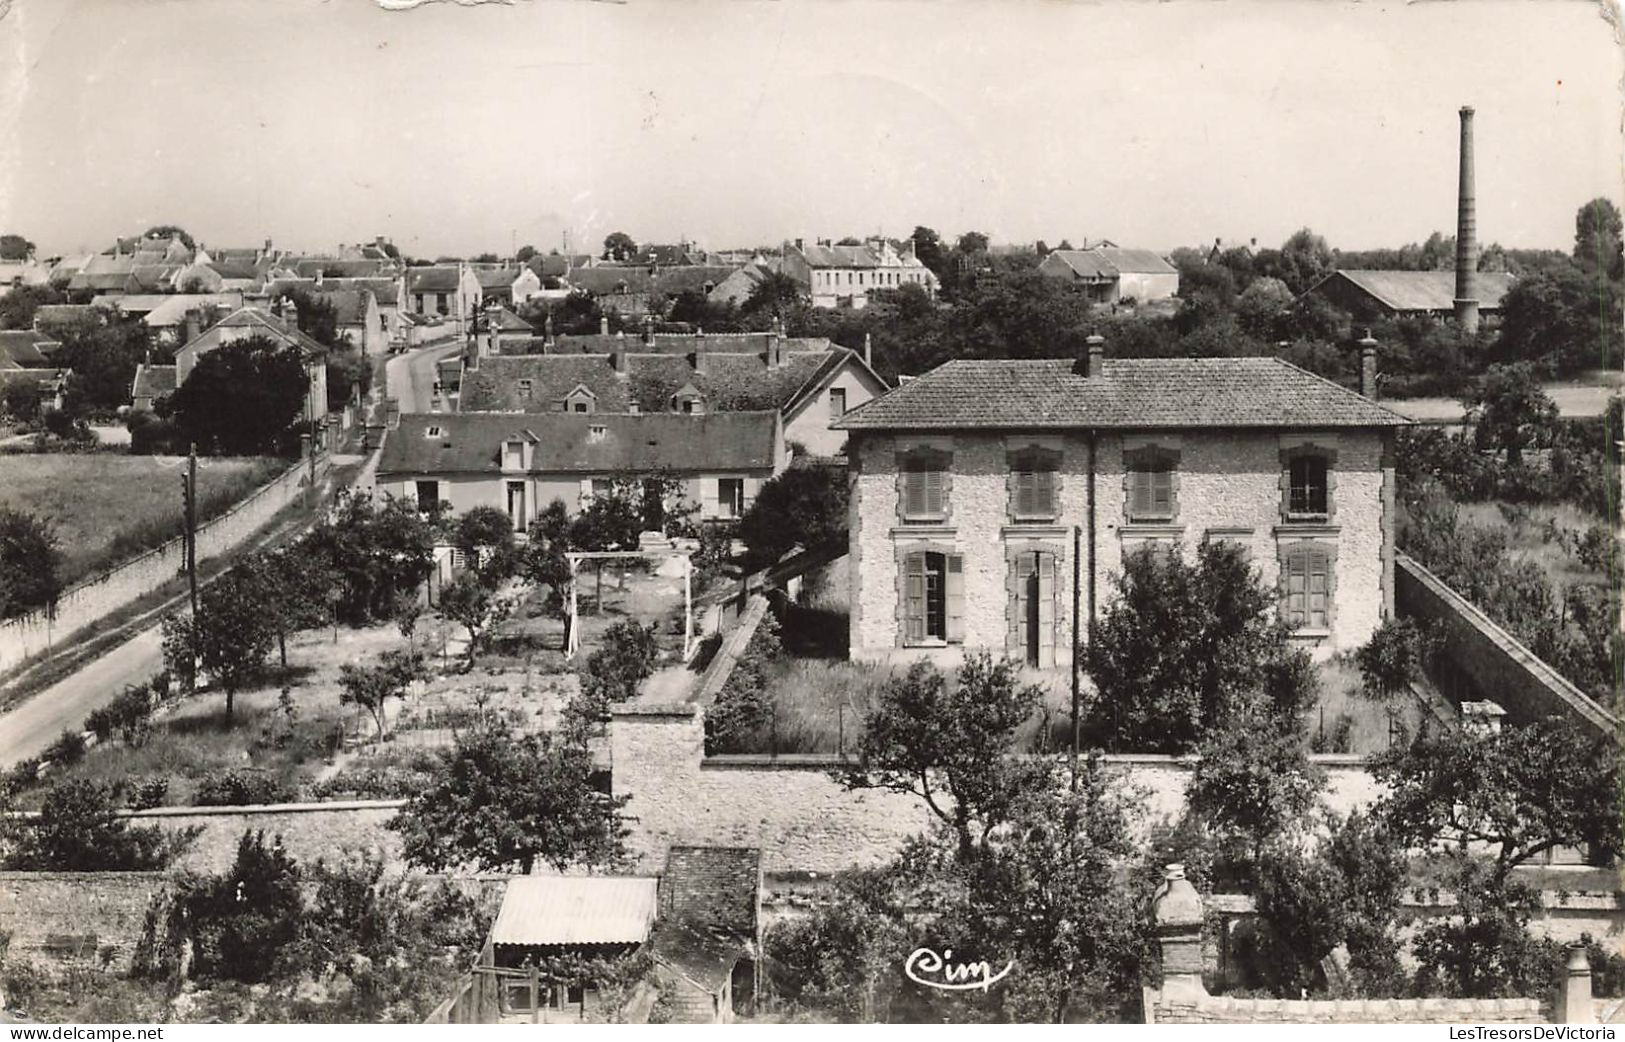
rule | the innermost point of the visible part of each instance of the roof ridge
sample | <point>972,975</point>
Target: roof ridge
<point>1338,386</point>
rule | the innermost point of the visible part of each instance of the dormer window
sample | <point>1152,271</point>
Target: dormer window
<point>596,431</point>
<point>525,387</point>
<point>513,455</point>
<point>434,432</point>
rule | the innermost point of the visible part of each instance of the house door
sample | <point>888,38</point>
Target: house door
<point>516,504</point>
<point>1029,624</point>
<point>654,507</point>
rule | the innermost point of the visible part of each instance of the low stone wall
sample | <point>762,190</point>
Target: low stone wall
<point>73,916</point>
<point>734,642</point>
<point>309,831</point>
<point>89,600</point>
<point>802,818</point>
<point>1491,660</point>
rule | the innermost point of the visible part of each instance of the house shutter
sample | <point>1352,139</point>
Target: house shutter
<point>955,597</point>
<point>1140,493</point>
<point>1015,641</point>
<point>1318,563</point>
<point>752,486</point>
<point>1045,564</point>
<point>1044,493</point>
<point>914,598</point>
<point>708,497</point>
<point>913,493</point>
<point>1296,587</point>
<point>1162,493</point>
<point>1024,492</point>
<point>933,493</point>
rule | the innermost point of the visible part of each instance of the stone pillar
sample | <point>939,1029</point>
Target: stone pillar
<point>1178,914</point>
<point>1573,1005</point>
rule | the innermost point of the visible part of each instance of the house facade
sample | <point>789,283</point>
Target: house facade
<point>1110,273</point>
<point>844,276</point>
<point>521,462</point>
<point>443,290</point>
<point>248,322</point>
<point>981,489</point>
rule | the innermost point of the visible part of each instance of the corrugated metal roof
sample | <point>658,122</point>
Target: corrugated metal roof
<point>576,910</point>
<point>1424,290</point>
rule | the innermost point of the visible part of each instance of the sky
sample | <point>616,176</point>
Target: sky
<point>457,129</point>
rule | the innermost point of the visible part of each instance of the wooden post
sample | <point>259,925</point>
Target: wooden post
<point>535,995</point>
<point>191,525</point>
<point>688,606</point>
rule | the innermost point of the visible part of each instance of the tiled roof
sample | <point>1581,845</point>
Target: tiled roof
<point>310,267</point>
<point>172,309</point>
<point>263,323</point>
<point>133,303</point>
<point>235,269</point>
<point>681,343</point>
<point>47,380</point>
<point>19,348</point>
<point>1423,290</point>
<point>470,443</point>
<point>153,276</point>
<point>555,265</point>
<point>350,305</point>
<point>693,279</point>
<point>432,280</point>
<point>605,279</point>
<point>153,381</point>
<point>731,382</point>
<point>508,322</point>
<point>55,316</point>
<point>386,289</point>
<point>1132,393</point>
<point>496,278</point>
<point>575,910</point>
<point>1111,261</point>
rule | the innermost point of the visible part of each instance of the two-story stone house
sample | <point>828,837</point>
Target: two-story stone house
<point>993,500</point>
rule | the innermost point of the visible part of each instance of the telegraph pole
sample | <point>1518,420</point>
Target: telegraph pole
<point>189,484</point>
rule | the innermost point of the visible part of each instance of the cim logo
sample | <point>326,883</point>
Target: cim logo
<point>927,968</point>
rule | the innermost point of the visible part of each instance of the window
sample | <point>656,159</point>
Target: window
<point>513,455</point>
<point>1031,610</point>
<point>837,402</point>
<point>923,497</point>
<point>428,493</point>
<point>433,431</point>
<point>1307,486</point>
<point>1306,578</point>
<point>688,406</point>
<point>731,497</point>
<point>1033,483</point>
<point>1151,484</point>
<point>525,389</point>
<point>933,598</point>
<point>580,407</point>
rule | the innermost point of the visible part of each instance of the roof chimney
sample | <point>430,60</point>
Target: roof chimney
<point>603,325</point>
<point>193,326</point>
<point>648,330</point>
<point>1368,366</point>
<point>775,344</point>
<point>547,327</point>
<point>617,356</point>
<point>1094,362</point>
<point>1466,233</point>
<point>868,351</point>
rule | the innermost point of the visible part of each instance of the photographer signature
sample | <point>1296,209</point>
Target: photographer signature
<point>927,968</point>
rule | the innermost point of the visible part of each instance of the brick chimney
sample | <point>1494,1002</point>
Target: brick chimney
<point>1094,356</point>
<point>1177,911</point>
<point>648,331</point>
<point>193,326</point>
<point>1466,301</point>
<point>290,313</point>
<point>775,344</point>
<point>1368,366</point>
<point>701,361</point>
<point>617,354</point>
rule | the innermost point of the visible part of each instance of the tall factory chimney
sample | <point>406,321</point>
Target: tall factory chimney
<point>1466,233</point>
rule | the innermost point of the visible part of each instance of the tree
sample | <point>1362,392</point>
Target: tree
<point>474,605</point>
<point>79,830</point>
<point>486,534</point>
<point>233,632</point>
<point>1562,319</point>
<point>379,550</point>
<point>295,589</point>
<point>972,243</point>
<point>804,506</point>
<point>949,744</point>
<point>20,401</point>
<point>501,801</point>
<point>103,356</point>
<point>242,398</point>
<point>371,687</point>
<point>525,253</point>
<point>1598,232</point>
<point>928,250</point>
<point>1304,259</point>
<point>318,318</point>
<point>619,246</point>
<point>1484,950</point>
<point>29,563</point>
<point>349,377</point>
<point>1509,411</point>
<point>1521,792</point>
<point>17,307</point>
<point>634,503</point>
<point>1183,648</point>
<point>544,562</point>
<point>1392,659</point>
<point>170,231</point>
<point>614,672</point>
<point>1261,306</point>
<point>15,247</point>
<point>1254,783</point>
<point>776,294</point>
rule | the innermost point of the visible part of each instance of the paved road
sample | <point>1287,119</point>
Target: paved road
<point>35,723</point>
<point>411,376</point>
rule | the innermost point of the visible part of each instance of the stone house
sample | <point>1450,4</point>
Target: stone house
<point>522,462</point>
<point>982,488</point>
<point>810,381</point>
<point>844,276</point>
<point>445,290</point>
<point>248,322</point>
<point>1111,273</point>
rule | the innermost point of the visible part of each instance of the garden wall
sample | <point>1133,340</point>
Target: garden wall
<point>1491,660</point>
<point>309,830</point>
<point>87,601</point>
<point>805,821</point>
<point>68,916</point>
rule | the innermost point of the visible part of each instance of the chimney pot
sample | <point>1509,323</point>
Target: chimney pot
<point>868,350</point>
<point>1095,358</point>
<point>603,325</point>
<point>1368,366</point>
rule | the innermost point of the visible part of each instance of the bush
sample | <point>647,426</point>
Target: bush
<point>1392,659</point>
<point>146,793</point>
<point>78,830</point>
<point>614,672</point>
<point>742,707</point>
<point>68,748</point>
<point>128,715</point>
<point>241,786</point>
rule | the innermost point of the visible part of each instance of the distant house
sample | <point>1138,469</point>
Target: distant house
<point>810,381</point>
<point>1396,294</point>
<point>357,317</point>
<point>151,383</point>
<point>334,267</point>
<point>630,290</point>
<point>386,291</point>
<point>1111,273</point>
<point>1223,246</point>
<point>497,283</point>
<point>737,287</point>
<point>844,276</point>
<point>519,463</point>
<point>167,314</point>
<point>448,291</point>
<point>248,322</point>
<point>26,359</point>
<point>105,273</point>
<point>15,274</point>
<point>54,319</point>
<point>554,920</point>
<point>707,944</point>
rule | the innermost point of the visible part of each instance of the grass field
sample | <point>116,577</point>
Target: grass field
<point>1529,528</point>
<point>107,508</point>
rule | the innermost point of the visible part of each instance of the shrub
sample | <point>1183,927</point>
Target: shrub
<point>240,786</point>
<point>742,707</point>
<point>1392,659</point>
<point>128,714</point>
<point>146,793</point>
<point>68,748</point>
<point>78,830</point>
<point>614,672</point>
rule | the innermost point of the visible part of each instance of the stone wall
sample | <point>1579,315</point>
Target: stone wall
<point>309,830</point>
<point>89,600</point>
<point>1494,664</point>
<point>801,818</point>
<point>1227,485</point>
<point>68,916</point>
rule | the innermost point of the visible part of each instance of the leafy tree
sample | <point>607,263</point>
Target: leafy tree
<point>525,253</point>
<point>1562,319</point>
<point>1485,949</point>
<point>972,242</point>
<point>380,551</point>
<point>295,590</point>
<point>21,400</point>
<point>1509,411</point>
<point>233,632</point>
<point>949,744</point>
<point>242,398</point>
<point>17,307</point>
<point>929,251</point>
<point>804,506</point>
<point>544,562</point>
<point>371,687</point>
<point>15,247</point>
<point>501,801</point>
<point>171,231</point>
<point>619,246</point>
<point>1521,792</point>
<point>103,356</point>
<point>1304,259</point>
<point>318,318</point>
<point>1392,659</point>
<point>1261,307</point>
<point>79,830</point>
<point>29,563</point>
<point>634,503</point>
<point>474,605</point>
<point>776,294</point>
<point>1598,232</point>
<point>614,672</point>
<point>1183,647</point>
<point>349,377</point>
<point>486,533</point>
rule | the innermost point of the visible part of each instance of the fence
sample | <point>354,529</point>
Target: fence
<point>88,601</point>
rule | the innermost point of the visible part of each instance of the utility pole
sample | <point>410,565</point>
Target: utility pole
<point>189,487</point>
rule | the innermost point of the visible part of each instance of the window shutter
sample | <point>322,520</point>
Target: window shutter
<point>1044,493</point>
<point>1162,492</point>
<point>913,493</point>
<point>933,492</point>
<point>1046,599</point>
<point>751,486</point>
<point>1021,566</point>
<point>956,598</point>
<point>1319,575</point>
<point>1140,493</point>
<point>1296,583</point>
<point>1026,490</point>
<point>709,495</point>
<point>914,598</point>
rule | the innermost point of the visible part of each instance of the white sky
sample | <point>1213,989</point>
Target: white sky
<point>740,122</point>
